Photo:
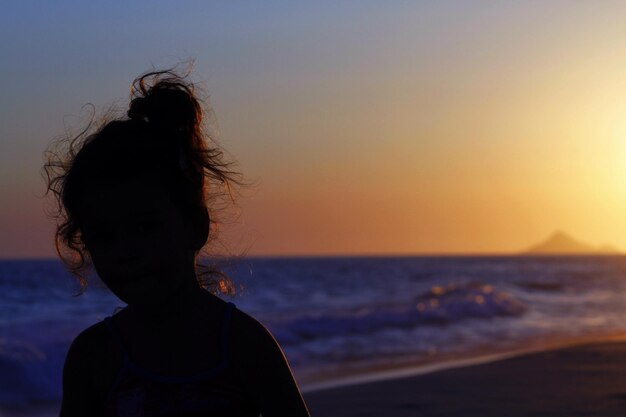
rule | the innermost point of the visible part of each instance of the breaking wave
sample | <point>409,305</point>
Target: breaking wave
<point>440,305</point>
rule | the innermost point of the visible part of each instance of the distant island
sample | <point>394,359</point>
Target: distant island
<point>560,243</point>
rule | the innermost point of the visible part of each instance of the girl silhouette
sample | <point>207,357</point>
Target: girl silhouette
<point>135,202</point>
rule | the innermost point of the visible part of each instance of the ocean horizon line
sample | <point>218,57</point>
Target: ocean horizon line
<point>375,255</point>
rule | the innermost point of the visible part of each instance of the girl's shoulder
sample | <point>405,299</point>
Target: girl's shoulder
<point>263,368</point>
<point>252,344</point>
<point>91,362</point>
<point>247,328</point>
<point>91,343</point>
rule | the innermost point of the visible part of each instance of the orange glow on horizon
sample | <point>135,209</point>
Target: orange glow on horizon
<point>482,129</point>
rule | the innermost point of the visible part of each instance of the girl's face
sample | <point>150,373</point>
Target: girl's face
<point>138,241</point>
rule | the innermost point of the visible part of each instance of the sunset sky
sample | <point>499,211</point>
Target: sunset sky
<point>368,127</point>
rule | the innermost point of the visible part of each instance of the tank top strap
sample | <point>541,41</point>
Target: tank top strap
<point>125,359</point>
<point>226,332</point>
<point>115,334</point>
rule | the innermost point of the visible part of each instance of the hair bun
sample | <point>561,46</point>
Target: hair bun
<point>172,108</point>
<point>138,109</point>
<point>165,101</point>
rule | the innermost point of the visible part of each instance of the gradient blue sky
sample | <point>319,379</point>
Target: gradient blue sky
<point>371,127</point>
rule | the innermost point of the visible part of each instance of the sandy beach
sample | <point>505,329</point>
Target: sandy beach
<point>585,380</point>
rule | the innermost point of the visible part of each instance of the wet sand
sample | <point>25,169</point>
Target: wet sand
<point>586,380</point>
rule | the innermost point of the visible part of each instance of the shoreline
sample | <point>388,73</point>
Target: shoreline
<point>386,374</point>
<point>582,379</point>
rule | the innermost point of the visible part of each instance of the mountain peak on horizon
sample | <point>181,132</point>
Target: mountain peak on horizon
<point>561,243</point>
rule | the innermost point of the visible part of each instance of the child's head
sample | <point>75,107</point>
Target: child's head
<point>133,195</point>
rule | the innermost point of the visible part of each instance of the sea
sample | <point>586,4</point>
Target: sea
<point>337,318</point>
